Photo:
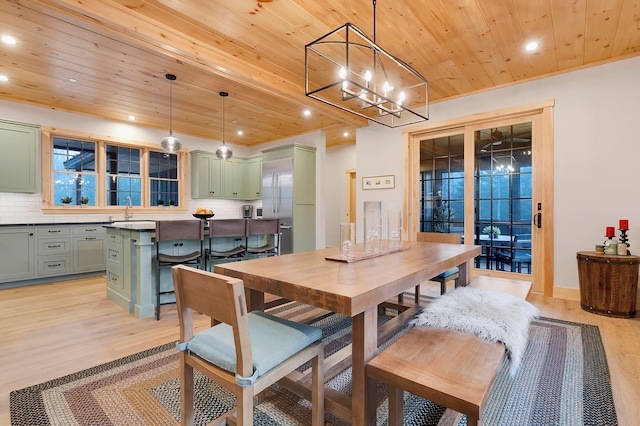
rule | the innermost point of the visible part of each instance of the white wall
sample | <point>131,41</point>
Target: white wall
<point>596,149</point>
<point>339,159</point>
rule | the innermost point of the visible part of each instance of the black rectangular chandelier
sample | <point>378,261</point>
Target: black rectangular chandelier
<point>347,70</point>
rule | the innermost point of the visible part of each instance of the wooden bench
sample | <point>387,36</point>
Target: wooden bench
<point>448,367</point>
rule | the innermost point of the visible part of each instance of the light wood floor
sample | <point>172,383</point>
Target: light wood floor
<point>51,330</point>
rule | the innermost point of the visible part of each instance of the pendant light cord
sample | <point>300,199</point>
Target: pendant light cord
<point>374,21</point>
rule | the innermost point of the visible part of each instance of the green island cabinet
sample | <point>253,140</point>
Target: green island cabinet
<point>20,147</point>
<point>233,179</point>
<point>44,251</point>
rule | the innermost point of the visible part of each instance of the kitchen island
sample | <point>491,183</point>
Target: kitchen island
<point>130,269</point>
<point>130,252</point>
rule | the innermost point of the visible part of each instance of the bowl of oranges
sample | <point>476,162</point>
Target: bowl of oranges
<point>203,214</point>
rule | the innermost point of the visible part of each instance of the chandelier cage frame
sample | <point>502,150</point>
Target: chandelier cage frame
<point>347,70</point>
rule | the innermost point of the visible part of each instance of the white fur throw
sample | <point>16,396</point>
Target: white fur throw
<point>492,315</point>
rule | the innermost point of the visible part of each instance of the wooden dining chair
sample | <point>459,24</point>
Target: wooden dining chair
<point>449,274</point>
<point>235,229</point>
<point>245,352</point>
<point>175,234</point>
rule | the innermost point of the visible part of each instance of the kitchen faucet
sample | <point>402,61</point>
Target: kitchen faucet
<point>127,204</point>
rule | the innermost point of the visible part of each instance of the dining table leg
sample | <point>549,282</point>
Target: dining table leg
<point>363,394</point>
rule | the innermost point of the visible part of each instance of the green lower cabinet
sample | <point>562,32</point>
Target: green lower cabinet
<point>17,254</point>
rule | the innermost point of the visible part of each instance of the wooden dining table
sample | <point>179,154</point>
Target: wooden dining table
<point>354,289</point>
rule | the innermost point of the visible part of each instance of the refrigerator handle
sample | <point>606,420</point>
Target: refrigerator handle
<point>277,194</point>
<point>273,192</point>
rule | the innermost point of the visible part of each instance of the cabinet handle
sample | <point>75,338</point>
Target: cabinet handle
<point>89,238</point>
<point>56,246</point>
<point>51,265</point>
<point>54,232</point>
<point>31,234</point>
<point>90,230</point>
<point>114,256</point>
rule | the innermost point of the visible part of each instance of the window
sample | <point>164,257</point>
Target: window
<point>163,175</point>
<point>74,171</point>
<point>123,176</point>
<point>104,174</point>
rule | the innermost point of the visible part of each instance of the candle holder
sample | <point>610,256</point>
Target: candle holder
<point>624,239</point>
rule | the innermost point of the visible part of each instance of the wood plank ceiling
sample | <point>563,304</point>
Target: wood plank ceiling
<point>118,52</point>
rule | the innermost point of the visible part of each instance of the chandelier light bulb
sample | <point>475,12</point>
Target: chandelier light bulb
<point>342,73</point>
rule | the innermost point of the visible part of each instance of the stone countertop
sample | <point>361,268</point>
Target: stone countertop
<point>51,224</point>
<point>143,225</point>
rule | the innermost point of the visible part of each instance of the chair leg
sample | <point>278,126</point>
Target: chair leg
<point>245,406</point>
<point>317,388</point>
<point>157,292</point>
<point>443,286</point>
<point>456,282</point>
<point>186,392</point>
<point>417,295</point>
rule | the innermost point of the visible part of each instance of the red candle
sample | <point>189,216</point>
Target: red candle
<point>611,231</point>
<point>624,225</point>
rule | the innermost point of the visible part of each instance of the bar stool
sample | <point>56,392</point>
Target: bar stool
<point>178,232</point>
<point>227,228</point>
<point>268,229</point>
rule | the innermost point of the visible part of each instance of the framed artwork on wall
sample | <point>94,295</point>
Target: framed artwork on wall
<point>379,182</point>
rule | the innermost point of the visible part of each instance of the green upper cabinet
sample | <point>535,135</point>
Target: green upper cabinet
<point>20,147</point>
<point>253,185</point>
<point>205,175</point>
<point>231,179</point>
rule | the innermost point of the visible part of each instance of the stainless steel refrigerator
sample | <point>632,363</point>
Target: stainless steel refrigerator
<point>277,198</point>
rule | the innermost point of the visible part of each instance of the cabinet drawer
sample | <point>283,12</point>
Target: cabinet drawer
<point>53,231</point>
<point>53,246</point>
<point>89,230</point>
<point>59,265</point>
<point>114,239</point>
<point>114,280</point>
<point>114,256</point>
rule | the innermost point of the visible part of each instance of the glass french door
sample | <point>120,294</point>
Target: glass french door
<point>503,190</point>
<point>503,187</point>
<point>489,178</point>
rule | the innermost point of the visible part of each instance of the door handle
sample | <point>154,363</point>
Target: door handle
<point>537,220</point>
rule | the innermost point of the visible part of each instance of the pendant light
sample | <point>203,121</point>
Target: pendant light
<point>224,153</point>
<point>170,143</point>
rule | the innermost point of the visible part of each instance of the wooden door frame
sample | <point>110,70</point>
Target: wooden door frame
<point>350,214</point>
<point>540,114</point>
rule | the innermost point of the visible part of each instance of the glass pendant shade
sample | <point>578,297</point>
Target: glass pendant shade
<point>170,143</point>
<point>224,152</point>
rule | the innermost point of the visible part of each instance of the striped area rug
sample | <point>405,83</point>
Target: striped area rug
<point>563,380</point>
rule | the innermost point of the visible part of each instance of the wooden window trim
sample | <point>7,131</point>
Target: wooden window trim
<point>48,204</point>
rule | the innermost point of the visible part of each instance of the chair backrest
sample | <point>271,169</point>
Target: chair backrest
<point>171,230</point>
<point>263,227</point>
<point>227,228</point>
<point>220,297</point>
<point>438,237</point>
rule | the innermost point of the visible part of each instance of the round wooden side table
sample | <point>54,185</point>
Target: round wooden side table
<point>608,283</point>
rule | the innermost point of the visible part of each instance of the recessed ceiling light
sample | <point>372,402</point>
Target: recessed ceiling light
<point>4,78</point>
<point>132,118</point>
<point>9,40</point>
<point>73,80</point>
<point>531,46</point>
<point>345,134</point>
<point>240,133</point>
<point>307,112</point>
